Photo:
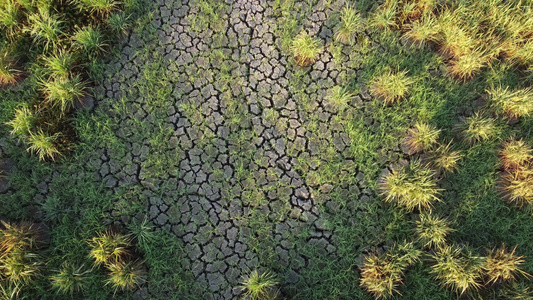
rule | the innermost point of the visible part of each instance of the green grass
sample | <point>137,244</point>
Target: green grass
<point>471,201</point>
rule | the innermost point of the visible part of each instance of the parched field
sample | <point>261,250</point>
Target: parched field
<point>205,140</point>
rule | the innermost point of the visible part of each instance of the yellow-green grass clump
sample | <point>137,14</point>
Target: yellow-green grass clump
<point>43,145</point>
<point>518,186</point>
<point>125,276</point>
<point>478,128</point>
<point>411,186</point>
<point>432,230</point>
<point>258,286</point>
<point>381,275</point>
<point>515,154</point>
<point>350,24</point>
<point>512,103</point>
<point>444,158</point>
<point>70,279</point>
<point>502,265</point>
<point>391,86</point>
<point>305,49</point>
<point>458,269</point>
<point>109,248</point>
<point>421,137</point>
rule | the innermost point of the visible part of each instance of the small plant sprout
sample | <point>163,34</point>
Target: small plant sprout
<point>444,158</point>
<point>124,276</point>
<point>518,186</point>
<point>432,230</point>
<point>59,63</point>
<point>391,87</point>
<point>63,91</point>
<point>477,128</point>
<point>456,269</point>
<point>45,28</point>
<point>515,154</point>
<point>90,41</point>
<point>514,104</point>
<point>350,24</point>
<point>70,279</point>
<point>43,145</point>
<point>421,137</point>
<point>305,49</point>
<point>109,247</point>
<point>339,98</point>
<point>258,286</point>
<point>412,186</point>
<point>22,123</point>
<point>8,73</point>
<point>501,265</point>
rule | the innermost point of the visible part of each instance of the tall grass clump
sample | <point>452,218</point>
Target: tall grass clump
<point>45,28</point>
<point>124,276</point>
<point>512,103</point>
<point>421,137</point>
<point>391,86</point>
<point>444,158</point>
<point>44,145</point>
<point>381,275</point>
<point>259,286</point>
<point>70,279</point>
<point>62,91</point>
<point>458,269</point>
<point>350,24</point>
<point>432,230</point>
<point>9,17</point>
<point>109,248</point>
<point>23,122</point>
<point>477,128</point>
<point>515,154</point>
<point>8,72</point>
<point>518,186</point>
<point>422,31</point>
<point>305,49</point>
<point>339,97</point>
<point>502,265</point>
<point>102,8</point>
<point>411,186</point>
<point>19,265</point>
<point>59,63</point>
<point>90,41</point>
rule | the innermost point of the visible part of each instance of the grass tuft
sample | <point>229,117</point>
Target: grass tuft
<point>477,128</point>
<point>351,23</point>
<point>412,186</point>
<point>456,269</point>
<point>391,87</point>
<point>63,91</point>
<point>432,230</point>
<point>305,49</point>
<point>43,145</point>
<point>421,137</point>
<point>514,104</point>
<point>124,276</point>
<point>515,154</point>
<point>501,265</point>
<point>444,158</point>
<point>22,123</point>
<point>109,248</point>
<point>70,279</point>
<point>258,286</point>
